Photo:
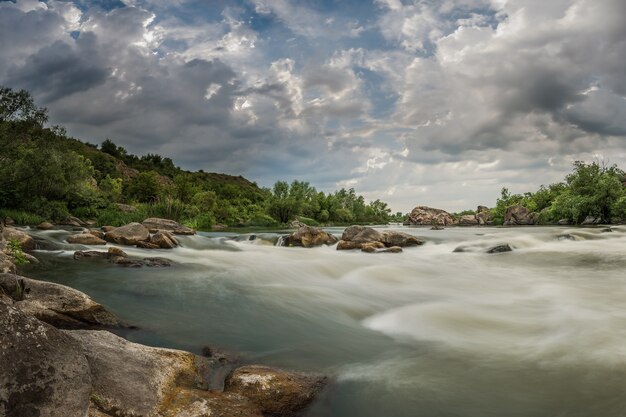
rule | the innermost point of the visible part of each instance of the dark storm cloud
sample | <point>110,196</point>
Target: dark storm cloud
<point>60,70</point>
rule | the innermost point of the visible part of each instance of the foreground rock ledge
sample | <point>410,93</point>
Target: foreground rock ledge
<point>56,304</point>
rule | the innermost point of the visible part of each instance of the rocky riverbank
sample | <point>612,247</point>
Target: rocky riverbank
<point>59,357</point>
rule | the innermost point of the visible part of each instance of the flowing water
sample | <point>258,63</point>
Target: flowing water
<point>540,331</point>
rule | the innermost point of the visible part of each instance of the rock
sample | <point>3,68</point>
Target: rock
<point>563,222</point>
<point>591,220</point>
<point>113,252</point>
<point>26,242</point>
<point>164,240</point>
<point>85,239</point>
<point>7,266</point>
<point>7,221</point>
<point>369,239</point>
<point>468,220</point>
<point>483,216</point>
<point>72,221</point>
<point>126,208</point>
<point>393,249</point>
<point>106,229</point>
<point>500,248</point>
<point>147,245</point>
<point>45,226</point>
<point>296,224</point>
<point>130,379</point>
<point>131,263</point>
<point>422,215</point>
<point>308,237</point>
<point>274,392</point>
<point>79,254</point>
<point>437,228</point>
<point>57,304</point>
<point>97,233</point>
<point>157,262</point>
<point>155,224</point>
<point>130,234</point>
<point>44,372</point>
<point>519,215</point>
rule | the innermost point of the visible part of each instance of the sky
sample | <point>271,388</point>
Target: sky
<point>415,102</point>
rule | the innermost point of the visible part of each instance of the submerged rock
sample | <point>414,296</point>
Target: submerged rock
<point>308,237</point>
<point>500,248</point>
<point>44,371</point>
<point>155,224</point>
<point>56,304</point>
<point>130,234</point>
<point>273,391</point>
<point>85,239</point>
<point>423,215</point>
<point>157,262</point>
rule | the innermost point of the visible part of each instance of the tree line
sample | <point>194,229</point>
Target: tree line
<point>47,175</point>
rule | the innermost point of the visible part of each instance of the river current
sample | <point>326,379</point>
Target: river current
<point>539,331</point>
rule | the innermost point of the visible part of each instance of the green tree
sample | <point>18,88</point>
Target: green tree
<point>144,187</point>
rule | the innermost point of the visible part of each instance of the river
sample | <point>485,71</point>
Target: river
<point>539,331</point>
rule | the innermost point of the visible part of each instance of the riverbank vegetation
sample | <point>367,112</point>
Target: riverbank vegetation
<point>47,175</point>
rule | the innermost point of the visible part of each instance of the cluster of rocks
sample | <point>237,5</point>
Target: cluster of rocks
<point>366,239</point>
<point>54,363</point>
<point>481,218</point>
<point>119,257</point>
<point>518,215</point>
<point>423,216</point>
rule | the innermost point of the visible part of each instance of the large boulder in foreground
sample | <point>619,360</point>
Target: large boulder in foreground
<point>85,239</point>
<point>422,216</point>
<point>130,234</point>
<point>56,304</point>
<point>26,242</point>
<point>308,237</point>
<point>274,392</point>
<point>518,215</point>
<point>370,240</point>
<point>43,370</point>
<point>154,224</point>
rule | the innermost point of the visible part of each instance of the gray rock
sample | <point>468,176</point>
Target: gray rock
<point>130,234</point>
<point>85,239</point>
<point>44,372</point>
<point>273,391</point>
<point>157,262</point>
<point>500,248</point>
<point>58,305</point>
<point>563,222</point>
<point>591,220</point>
<point>308,237</point>
<point>155,224</point>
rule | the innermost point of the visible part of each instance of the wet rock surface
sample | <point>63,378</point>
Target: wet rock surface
<point>155,224</point>
<point>308,237</point>
<point>371,240</point>
<point>130,234</point>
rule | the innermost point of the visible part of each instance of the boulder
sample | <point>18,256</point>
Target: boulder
<point>468,220</point>
<point>57,304</point>
<point>147,245</point>
<point>437,228</point>
<point>500,248</point>
<point>155,224</point>
<point>273,391</point>
<point>26,242</point>
<point>164,240</point>
<point>591,220</point>
<point>422,215</point>
<point>7,221</point>
<point>130,234</point>
<point>85,239</point>
<point>518,215</point>
<point>94,254</point>
<point>44,371</point>
<point>308,237</point>
<point>72,221</point>
<point>106,229</point>
<point>369,239</point>
<point>45,226</point>
<point>157,262</point>
<point>97,233</point>
<point>483,216</point>
<point>127,262</point>
<point>114,252</point>
<point>7,265</point>
<point>563,222</point>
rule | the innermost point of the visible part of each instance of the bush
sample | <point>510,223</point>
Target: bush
<point>202,221</point>
<point>112,216</point>
<point>21,217</point>
<point>308,221</point>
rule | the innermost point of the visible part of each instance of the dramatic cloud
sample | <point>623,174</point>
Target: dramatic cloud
<point>415,102</point>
